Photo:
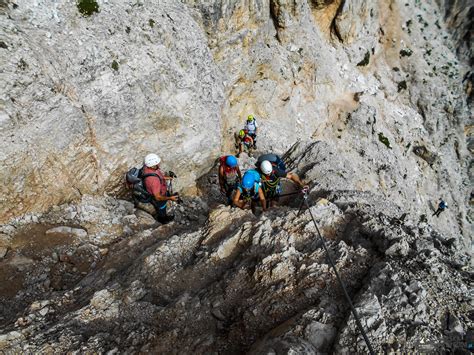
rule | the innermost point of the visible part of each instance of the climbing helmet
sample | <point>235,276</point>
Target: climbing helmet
<point>266,167</point>
<point>231,161</point>
<point>247,181</point>
<point>152,160</point>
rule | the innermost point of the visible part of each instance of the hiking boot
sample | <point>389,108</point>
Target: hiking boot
<point>166,219</point>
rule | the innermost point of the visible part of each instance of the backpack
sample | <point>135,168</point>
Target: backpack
<point>136,179</point>
<point>277,164</point>
<point>231,176</point>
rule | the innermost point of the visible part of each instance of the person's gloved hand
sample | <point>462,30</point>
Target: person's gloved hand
<point>174,198</point>
<point>179,199</point>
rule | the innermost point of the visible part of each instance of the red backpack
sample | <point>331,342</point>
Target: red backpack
<point>227,169</point>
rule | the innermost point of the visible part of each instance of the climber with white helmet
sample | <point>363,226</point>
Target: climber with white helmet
<point>249,191</point>
<point>272,168</point>
<point>251,128</point>
<point>155,184</point>
<point>229,175</point>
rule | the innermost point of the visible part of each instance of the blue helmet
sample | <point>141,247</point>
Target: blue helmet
<point>231,161</point>
<point>248,180</point>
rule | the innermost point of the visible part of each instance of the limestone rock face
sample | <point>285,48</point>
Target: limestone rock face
<point>85,98</point>
<point>238,282</point>
<point>368,102</point>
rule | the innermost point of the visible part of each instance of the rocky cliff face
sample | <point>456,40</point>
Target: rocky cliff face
<point>225,280</point>
<point>369,101</point>
<point>87,95</point>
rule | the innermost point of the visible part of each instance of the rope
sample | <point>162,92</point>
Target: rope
<point>354,311</point>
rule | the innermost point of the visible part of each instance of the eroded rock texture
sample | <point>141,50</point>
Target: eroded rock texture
<point>368,102</point>
<point>85,97</point>
<point>234,282</point>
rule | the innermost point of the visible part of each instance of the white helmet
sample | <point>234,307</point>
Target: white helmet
<point>266,167</point>
<point>152,160</point>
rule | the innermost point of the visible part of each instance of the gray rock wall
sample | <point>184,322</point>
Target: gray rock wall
<point>87,97</point>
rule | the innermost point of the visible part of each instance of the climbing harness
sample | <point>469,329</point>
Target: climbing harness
<point>331,262</point>
<point>272,186</point>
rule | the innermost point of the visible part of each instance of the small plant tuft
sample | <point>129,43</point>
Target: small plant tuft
<point>115,65</point>
<point>384,140</point>
<point>364,61</point>
<point>87,7</point>
<point>406,52</point>
<point>22,64</point>
<point>151,22</point>
<point>402,85</point>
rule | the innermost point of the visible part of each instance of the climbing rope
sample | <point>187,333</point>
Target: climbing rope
<point>354,311</point>
<point>276,197</point>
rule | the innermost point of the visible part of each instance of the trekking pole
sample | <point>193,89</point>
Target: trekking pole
<point>305,198</point>
<point>170,186</point>
<point>331,262</point>
<point>173,175</point>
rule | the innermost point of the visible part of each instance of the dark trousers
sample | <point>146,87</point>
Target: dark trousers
<point>254,137</point>
<point>160,208</point>
<point>229,189</point>
<point>438,212</point>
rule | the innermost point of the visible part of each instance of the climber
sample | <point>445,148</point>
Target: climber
<point>156,186</point>
<point>244,141</point>
<point>229,176</point>
<point>272,169</point>
<point>251,128</point>
<point>249,191</point>
<point>441,207</point>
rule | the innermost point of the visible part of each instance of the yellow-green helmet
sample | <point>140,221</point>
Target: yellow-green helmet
<point>241,133</point>
<point>250,118</point>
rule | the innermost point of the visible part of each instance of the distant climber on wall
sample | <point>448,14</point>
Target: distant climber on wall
<point>249,191</point>
<point>251,128</point>
<point>244,142</point>
<point>441,207</point>
<point>229,176</point>
<point>271,169</point>
<point>155,184</point>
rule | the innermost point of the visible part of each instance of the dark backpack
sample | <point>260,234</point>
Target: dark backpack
<point>136,179</point>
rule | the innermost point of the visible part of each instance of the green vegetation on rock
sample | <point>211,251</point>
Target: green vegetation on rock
<point>364,61</point>
<point>402,85</point>
<point>406,52</point>
<point>87,7</point>
<point>384,140</point>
